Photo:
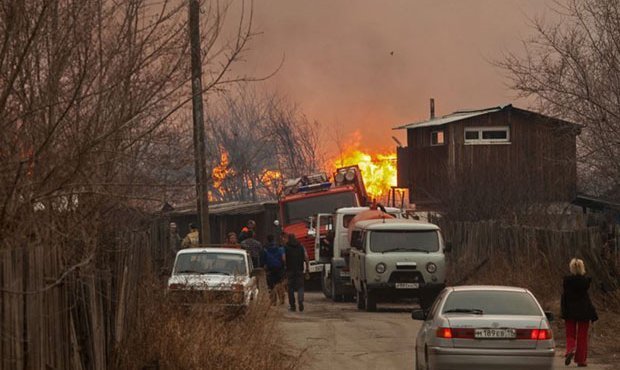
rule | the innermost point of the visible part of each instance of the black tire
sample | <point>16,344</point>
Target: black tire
<point>360,300</point>
<point>370,301</point>
<point>326,285</point>
<point>335,297</point>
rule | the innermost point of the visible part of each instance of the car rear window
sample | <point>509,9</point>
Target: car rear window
<point>493,302</point>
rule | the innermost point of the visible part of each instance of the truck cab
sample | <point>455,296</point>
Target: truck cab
<point>308,196</point>
<point>331,245</point>
<point>395,260</point>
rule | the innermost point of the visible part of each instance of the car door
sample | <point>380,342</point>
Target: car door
<point>324,223</point>
<point>427,330</point>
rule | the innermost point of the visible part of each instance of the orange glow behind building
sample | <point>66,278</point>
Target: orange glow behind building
<point>378,170</point>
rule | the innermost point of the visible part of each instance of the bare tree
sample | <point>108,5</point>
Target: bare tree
<point>571,68</point>
<point>92,96</point>
<point>263,139</point>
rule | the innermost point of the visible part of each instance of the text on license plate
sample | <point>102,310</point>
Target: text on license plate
<point>345,274</point>
<point>495,333</point>
<point>407,285</point>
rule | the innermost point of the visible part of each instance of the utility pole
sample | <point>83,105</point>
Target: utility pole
<point>202,196</point>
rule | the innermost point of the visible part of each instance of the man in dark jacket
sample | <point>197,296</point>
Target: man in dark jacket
<point>577,312</point>
<point>295,257</point>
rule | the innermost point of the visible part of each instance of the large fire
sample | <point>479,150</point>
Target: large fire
<point>378,170</point>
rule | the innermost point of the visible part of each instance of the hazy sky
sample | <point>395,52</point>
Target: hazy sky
<point>340,69</point>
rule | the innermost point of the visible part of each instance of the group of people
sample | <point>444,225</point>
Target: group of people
<point>284,260</point>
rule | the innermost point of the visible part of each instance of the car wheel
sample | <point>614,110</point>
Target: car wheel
<point>326,285</point>
<point>370,301</point>
<point>360,300</point>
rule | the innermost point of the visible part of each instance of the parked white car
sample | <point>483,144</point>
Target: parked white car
<point>484,327</point>
<point>221,276</point>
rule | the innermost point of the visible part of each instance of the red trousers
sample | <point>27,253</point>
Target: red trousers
<point>577,339</point>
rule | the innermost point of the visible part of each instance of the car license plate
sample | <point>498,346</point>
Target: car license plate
<point>495,333</point>
<point>407,285</point>
<point>316,268</point>
<point>345,274</point>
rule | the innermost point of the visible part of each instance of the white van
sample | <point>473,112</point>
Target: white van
<point>395,259</point>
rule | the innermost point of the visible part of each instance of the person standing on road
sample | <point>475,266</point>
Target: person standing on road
<point>174,242</point>
<point>247,231</point>
<point>273,262</point>
<point>231,240</point>
<point>577,312</point>
<point>296,258</point>
<point>254,249</point>
<point>191,240</point>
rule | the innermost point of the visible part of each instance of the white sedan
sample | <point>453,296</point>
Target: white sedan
<point>222,276</point>
<point>484,327</point>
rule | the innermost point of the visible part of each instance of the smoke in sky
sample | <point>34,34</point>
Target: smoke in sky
<point>371,65</point>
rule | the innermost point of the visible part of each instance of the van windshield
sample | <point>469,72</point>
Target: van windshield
<point>404,241</point>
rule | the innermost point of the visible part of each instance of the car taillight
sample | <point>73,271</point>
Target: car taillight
<point>444,333</point>
<point>455,333</point>
<point>541,334</point>
<point>534,334</point>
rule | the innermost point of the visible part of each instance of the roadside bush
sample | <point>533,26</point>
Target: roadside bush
<point>170,336</point>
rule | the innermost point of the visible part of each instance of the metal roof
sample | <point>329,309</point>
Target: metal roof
<point>456,116</point>
<point>229,208</point>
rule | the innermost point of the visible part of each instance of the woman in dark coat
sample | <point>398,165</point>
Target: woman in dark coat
<point>577,312</point>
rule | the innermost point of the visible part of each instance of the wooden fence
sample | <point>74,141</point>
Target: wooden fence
<point>59,313</point>
<point>477,242</point>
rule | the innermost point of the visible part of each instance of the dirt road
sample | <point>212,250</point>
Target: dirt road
<point>338,336</point>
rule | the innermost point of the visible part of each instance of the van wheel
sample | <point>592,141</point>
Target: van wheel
<point>370,301</point>
<point>360,300</point>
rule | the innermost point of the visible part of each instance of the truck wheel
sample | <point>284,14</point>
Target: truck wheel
<point>326,285</point>
<point>360,300</point>
<point>335,297</point>
<point>370,301</point>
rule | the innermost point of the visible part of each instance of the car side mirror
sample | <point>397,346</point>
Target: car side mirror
<point>447,248</point>
<point>418,314</point>
<point>550,315</point>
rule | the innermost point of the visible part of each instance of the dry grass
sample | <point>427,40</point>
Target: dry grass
<point>545,281</point>
<point>201,336</point>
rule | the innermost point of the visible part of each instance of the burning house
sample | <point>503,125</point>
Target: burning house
<point>480,159</point>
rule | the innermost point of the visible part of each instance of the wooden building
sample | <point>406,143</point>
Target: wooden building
<point>481,158</point>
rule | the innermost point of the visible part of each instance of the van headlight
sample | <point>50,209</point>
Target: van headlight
<point>431,267</point>
<point>380,268</point>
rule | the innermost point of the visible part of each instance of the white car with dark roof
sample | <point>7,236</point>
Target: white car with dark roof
<point>222,276</point>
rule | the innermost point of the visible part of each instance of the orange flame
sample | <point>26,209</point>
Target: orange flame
<point>222,170</point>
<point>378,169</point>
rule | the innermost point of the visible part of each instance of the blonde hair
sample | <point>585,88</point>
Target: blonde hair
<point>577,267</point>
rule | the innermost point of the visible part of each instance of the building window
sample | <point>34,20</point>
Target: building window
<point>487,135</point>
<point>437,138</point>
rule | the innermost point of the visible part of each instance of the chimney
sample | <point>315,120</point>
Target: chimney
<point>432,108</point>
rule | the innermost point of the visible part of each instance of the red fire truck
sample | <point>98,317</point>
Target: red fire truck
<point>307,196</point>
